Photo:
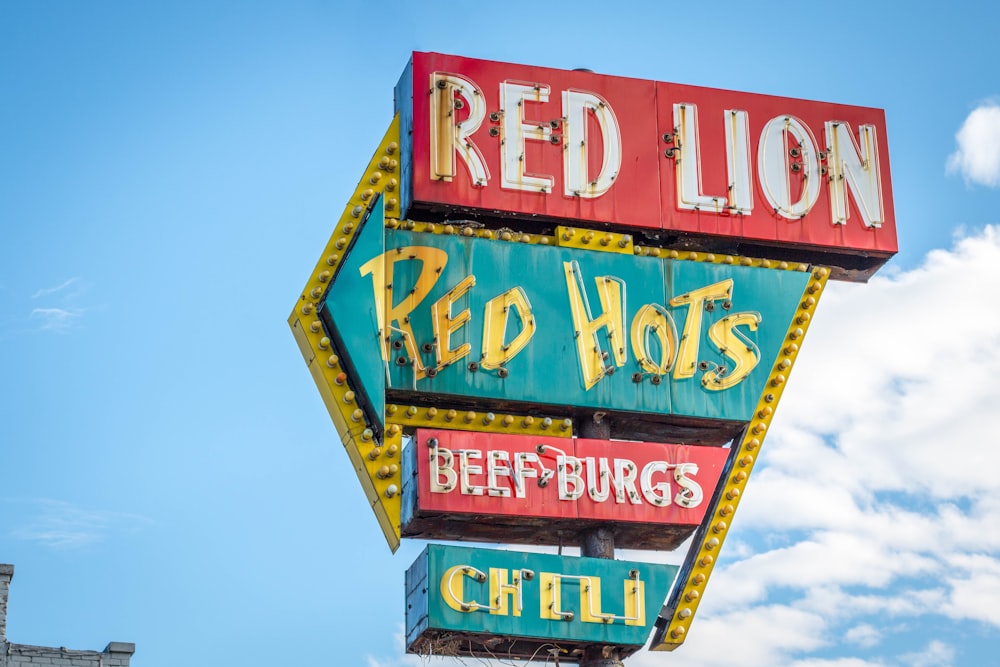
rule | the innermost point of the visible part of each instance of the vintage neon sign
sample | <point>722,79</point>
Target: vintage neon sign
<point>576,477</point>
<point>677,354</point>
<point>345,356</point>
<point>550,325</point>
<point>451,138</point>
<point>504,484</point>
<point>506,594</point>
<point>525,600</point>
<point>495,137</point>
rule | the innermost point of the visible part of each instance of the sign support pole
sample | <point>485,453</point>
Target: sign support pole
<point>598,543</point>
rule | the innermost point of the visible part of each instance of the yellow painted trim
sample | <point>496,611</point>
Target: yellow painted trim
<point>476,230</point>
<point>337,389</point>
<point>384,468</point>
<point>470,230</point>
<point>713,258</point>
<point>413,416</point>
<point>743,463</point>
<point>592,239</point>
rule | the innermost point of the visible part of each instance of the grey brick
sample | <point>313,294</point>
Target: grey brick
<point>115,654</point>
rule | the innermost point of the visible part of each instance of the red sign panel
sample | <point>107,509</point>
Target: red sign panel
<point>532,141</point>
<point>775,169</point>
<point>502,481</point>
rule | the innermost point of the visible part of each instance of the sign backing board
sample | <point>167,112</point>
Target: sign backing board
<point>519,489</point>
<point>720,170</point>
<point>373,444</point>
<point>491,603</point>
<point>353,394</point>
<point>340,386</point>
<point>529,326</point>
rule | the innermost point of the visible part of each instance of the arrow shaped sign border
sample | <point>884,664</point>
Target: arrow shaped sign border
<point>360,424</point>
<point>370,442</point>
<point>336,385</point>
<point>675,618</point>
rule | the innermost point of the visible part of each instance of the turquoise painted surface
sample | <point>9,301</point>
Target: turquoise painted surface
<point>427,609</point>
<point>351,307</point>
<point>548,369</point>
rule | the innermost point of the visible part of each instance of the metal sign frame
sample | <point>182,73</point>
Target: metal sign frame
<point>374,442</point>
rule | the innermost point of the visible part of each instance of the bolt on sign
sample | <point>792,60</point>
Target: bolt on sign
<point>529,248</point>
<point>721,170</point>
<point>458,596</point>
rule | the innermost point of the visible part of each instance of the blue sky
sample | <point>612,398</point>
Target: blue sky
<point>169,173</point>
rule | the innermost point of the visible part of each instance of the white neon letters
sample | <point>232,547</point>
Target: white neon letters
<point>594,479</point>
<point>854,169</point>
<point>786,146</point>
<point>534,123</point>
<point>450,135</point>
<point>514,132</point>
<point>789,167</point>
<point>520,124</point>
<point>739,195</point>
<point>577,104</point>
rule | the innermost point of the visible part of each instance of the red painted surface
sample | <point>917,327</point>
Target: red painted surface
<point>815,230</point>
<point>634,199</point>
<point>550,501</point>
<point>644,193</point>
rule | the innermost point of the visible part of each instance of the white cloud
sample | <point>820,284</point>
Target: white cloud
<point>57,319</point>
<point>863,635</point>
<point>764,637</point>
<point>897,369</point>
<point>401,659</point>
<point>936,654</point>
<point>61,314</point>
<point>873,513</point>
<point>877,491</point>
<point>978,154</point>
<point>836,662</point>
<point>45,291</point>
<point>975,584</point>
<point>60,525</point>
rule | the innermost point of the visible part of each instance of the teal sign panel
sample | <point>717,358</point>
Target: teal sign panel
<point>350,313</point>
<point>504,322</point>
<point>522,599</point>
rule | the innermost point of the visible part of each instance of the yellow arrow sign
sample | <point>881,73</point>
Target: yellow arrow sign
<point>371,431</point>
<point>373,440</point>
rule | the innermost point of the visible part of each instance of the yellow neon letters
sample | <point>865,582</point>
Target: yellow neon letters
<point>502,593</point>
<point>654,319</point>
<point>735,345</point>
<point>599,340</point>
<point>506,595</point>
<point>445,324</point>
<point>453,588</point>
<point>495,352</point>
<point>687,355</point>
<point>389,312</point>
<point>592,356</point>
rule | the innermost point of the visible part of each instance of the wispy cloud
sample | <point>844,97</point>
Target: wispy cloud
<point>59,320</point>
<point>60,525</point>
<point>45,291</point>
<point>60,311</point>
<point>977,158</point>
